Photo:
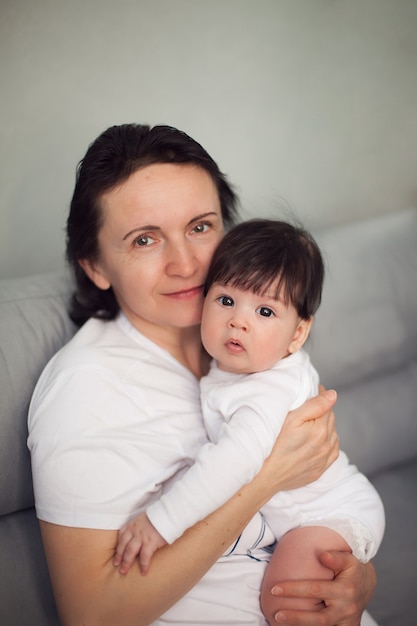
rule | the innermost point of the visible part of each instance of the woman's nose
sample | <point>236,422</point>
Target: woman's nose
<point>181,261</point>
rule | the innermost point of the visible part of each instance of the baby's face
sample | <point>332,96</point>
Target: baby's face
<point>246,332</point>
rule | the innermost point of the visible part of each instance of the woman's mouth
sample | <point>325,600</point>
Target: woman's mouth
<point>186,294</point>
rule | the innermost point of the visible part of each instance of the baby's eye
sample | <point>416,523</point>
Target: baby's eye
<point>143,240</point>
<point>265,311</point>
<point>225,300</point>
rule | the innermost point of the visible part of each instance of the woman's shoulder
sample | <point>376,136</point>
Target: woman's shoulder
<point>97,352</point>
<point>103,344</point>
<point>106,357</point>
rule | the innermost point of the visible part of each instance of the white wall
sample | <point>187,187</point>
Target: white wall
<point>310,104</point>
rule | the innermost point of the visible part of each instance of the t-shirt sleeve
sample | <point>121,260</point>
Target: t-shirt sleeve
<point>89,465</point>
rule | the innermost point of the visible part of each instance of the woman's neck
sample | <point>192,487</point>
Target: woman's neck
<point>189,351</point>
<point>184,344</point>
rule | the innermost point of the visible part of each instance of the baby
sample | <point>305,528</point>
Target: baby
<point>263,287</point>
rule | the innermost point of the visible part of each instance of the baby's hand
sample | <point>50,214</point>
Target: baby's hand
<point>137,538</point>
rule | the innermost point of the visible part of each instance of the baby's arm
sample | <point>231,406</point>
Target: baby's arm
<point>257,409</point>
<point>137,538</point>
<point>219,471</point>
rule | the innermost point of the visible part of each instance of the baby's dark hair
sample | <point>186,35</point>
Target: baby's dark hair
<point>254,254</point>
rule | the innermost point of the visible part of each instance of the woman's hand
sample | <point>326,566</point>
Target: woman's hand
<point>307,444</point>
<point>345,597</point>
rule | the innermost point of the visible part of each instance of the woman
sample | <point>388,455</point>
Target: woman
<point>116,413</point>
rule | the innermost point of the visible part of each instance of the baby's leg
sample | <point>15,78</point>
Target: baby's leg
<point>296,558</point>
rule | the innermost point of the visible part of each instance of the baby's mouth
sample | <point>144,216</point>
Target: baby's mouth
<point>234,346</point>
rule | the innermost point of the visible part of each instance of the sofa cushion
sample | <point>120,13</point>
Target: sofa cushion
<point>364,340</point>
<point>366,324</point>
<point>377,420</point>
<point>393,603</point>
<point>26,597</point>
<point>33,324</point>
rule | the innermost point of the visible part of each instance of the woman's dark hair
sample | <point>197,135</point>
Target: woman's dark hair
<point>254,254</point>
<point>116,154</point>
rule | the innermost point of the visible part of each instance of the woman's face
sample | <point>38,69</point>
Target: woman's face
<point>160,229</point>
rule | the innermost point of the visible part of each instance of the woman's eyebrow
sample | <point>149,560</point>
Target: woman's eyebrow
<point>140,228</point>
<point>202,216</point>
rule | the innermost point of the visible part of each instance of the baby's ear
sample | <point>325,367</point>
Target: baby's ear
<point>94,273</point>
<point>301,334</point>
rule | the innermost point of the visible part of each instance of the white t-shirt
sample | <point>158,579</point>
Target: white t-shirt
<point>243,415</point>
<point>112,418</point>
<point>113,421</point>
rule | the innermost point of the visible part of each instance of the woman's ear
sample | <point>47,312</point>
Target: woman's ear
<point>94,273</point>
<point>301,334</point>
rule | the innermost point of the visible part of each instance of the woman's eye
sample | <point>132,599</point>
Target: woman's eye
<point>201,228</point>
<point>225,301</point>
<point>143,240</point>
<point>265,311</point>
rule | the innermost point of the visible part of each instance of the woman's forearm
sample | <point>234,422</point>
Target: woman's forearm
<point>90,590</point>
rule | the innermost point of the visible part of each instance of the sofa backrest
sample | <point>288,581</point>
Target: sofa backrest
<point>364,340</point>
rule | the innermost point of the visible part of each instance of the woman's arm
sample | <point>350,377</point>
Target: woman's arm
<point>89,589</point>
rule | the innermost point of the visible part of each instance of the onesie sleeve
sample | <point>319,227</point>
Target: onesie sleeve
<point>221,468</point>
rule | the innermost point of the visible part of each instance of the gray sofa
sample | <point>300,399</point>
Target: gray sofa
<point>364,344</point>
